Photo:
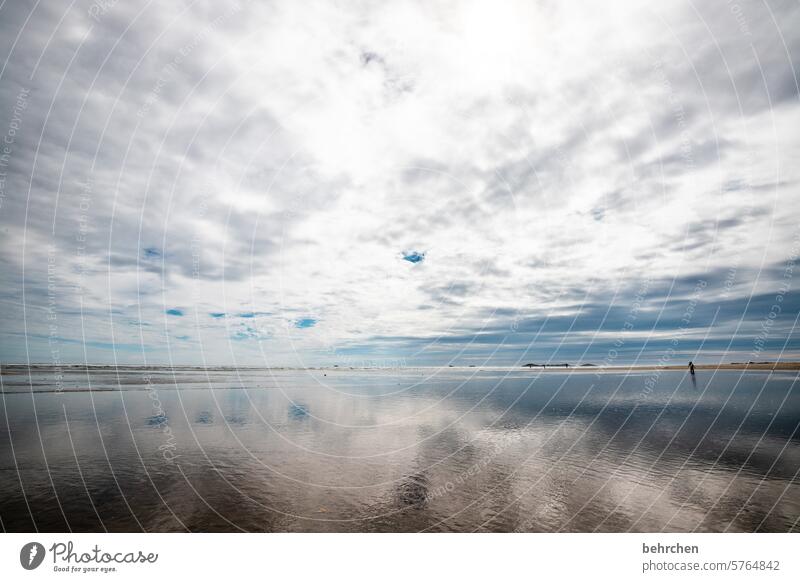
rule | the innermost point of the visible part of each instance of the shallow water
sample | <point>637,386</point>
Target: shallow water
<point>398,450</point>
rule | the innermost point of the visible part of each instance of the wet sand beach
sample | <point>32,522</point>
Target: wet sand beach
<point>413,449</point>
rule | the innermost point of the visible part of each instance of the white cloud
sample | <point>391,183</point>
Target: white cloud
<point>280,157</point>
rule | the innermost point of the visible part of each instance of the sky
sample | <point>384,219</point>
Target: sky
<point>399,183</point>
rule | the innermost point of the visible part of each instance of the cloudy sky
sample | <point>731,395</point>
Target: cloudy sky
<point>399,183</point>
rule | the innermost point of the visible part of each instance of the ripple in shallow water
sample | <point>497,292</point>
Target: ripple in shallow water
<point>403,451</point>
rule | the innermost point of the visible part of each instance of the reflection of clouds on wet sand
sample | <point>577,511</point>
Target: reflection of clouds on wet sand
<point>528,453</point>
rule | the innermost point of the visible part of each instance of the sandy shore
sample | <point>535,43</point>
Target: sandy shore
<point>736,366</point>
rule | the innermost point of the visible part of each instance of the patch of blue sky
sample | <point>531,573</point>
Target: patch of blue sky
<point>248,332</point>
<point>93,344</point>
<point>117,347</point>
<point>414,256</point>
<point>252,314</point>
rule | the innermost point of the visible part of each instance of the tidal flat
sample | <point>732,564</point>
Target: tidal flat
<point>398,450</point>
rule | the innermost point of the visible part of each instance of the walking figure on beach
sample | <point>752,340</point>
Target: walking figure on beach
<point>691,368</point>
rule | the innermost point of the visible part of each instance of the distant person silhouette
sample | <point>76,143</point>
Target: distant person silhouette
<point>691,368</point>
